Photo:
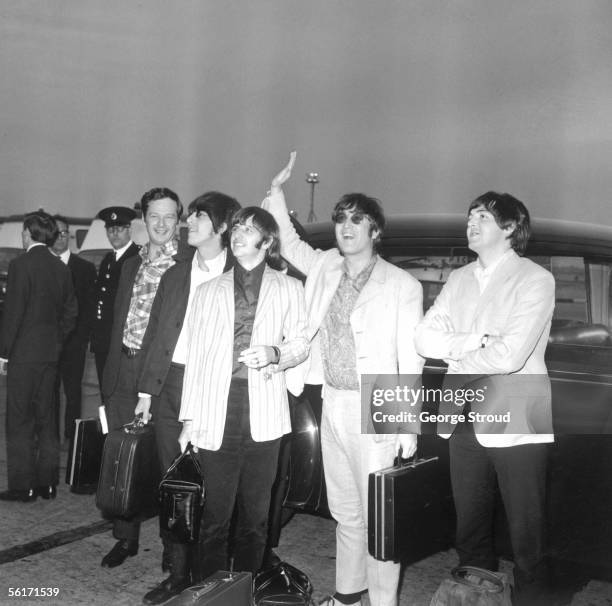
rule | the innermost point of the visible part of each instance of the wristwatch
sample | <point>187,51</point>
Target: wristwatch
<point>484,340</point>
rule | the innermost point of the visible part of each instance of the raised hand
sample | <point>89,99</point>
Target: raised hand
<point>284,174</point>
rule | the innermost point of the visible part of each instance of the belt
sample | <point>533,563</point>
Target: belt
<point>130,352</point>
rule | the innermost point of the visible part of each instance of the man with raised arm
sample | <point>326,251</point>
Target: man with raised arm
<point>362,312</point>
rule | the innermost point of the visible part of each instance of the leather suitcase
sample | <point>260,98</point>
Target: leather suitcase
<point>219,589</point>
<point>85,456</point>
<point>130,472</point>
<point>410,511</point>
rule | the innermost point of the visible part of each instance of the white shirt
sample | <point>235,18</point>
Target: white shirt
<point>119,251</point>
<point>483,274</point>
<point>198,276</point>
<point>65,256</point>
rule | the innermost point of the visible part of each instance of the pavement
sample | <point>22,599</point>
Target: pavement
<point>57,546</point>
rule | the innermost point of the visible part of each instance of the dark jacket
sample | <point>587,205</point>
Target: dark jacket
<point>40,308</point>
<point>105,293</point>
<point>84,282</point>
<point>166,321</point>
<point>120,313</point>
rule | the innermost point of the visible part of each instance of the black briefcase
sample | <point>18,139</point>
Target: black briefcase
<point>129,475</point>
<point>181,498</point>
<point>410,510</point>
<point>219,589</point>
<point>85,456</point>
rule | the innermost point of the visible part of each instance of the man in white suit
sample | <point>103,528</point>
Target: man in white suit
<point>493,317</point>
<point>246,328</point>
<point>362,312</point>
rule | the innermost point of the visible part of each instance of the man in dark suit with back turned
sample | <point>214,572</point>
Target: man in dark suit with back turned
<point>72,359</point>
<point>117,221</point>
<point>40,310</point>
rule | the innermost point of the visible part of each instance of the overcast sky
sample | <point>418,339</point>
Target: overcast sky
<point>422,104</point>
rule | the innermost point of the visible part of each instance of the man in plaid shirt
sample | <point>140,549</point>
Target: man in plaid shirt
<point>140,277</point>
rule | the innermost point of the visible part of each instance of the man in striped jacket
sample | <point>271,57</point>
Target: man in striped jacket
<point>247,327</point>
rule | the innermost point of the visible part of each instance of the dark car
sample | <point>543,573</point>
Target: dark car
<point>579,360</point>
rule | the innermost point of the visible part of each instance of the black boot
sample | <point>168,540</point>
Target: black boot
<point>178,579</point>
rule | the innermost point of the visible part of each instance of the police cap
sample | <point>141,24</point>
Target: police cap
<point>116,215</point>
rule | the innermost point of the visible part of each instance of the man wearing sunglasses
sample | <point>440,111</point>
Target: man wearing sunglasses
<point>117,221</point>
<point>362,313</point>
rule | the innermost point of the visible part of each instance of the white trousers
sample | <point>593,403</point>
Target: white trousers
<point>348,458</point>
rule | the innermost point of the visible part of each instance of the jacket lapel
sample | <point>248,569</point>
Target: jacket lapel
<point>496,283</point>
<point>372,288</point>
<point>226,299</point>
<point>266,296</point>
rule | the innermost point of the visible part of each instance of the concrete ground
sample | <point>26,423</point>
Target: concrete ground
<point>58,544</point>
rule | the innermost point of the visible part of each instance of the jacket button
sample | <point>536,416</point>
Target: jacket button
<point>178,324</point>
<point>159,381</point>
<point>167,352</point>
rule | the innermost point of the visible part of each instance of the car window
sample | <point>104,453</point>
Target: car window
<point>6,256</point>
<point>431,271</point>
<point>583,296</point>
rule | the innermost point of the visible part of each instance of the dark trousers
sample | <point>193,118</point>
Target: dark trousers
<point>31,431</point>
<point>100,357</point>
<point>165,410</point>
<point>70,372</point>
<point>520,472</point>
<point>120,411</point>
<point>240,474</point>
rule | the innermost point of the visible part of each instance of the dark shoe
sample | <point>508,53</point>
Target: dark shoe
<point>25,496</point>
<point>165,590</point>
<point>46,492</point>
<point>119,553</point>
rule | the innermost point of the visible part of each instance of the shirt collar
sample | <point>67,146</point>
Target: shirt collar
<point>211,264</point>
<point>65,256</point>
<point>485,272</point>
<point>35,244</point>
<point>243,275</point>
<point>363,276</point>
<point>169,249</point>
<point>120,251</point>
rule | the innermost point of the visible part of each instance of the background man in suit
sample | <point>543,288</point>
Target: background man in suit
<point>493,317</point>
<point>165,346</point>
<point>40,310</point>
<point>140,277</point>
<point>362,312</point>
<point>117,220</point>
<point>72,359</point>
<point>246,327</point>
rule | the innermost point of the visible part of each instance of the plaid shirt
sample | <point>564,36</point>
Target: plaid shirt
<point>146,282</point>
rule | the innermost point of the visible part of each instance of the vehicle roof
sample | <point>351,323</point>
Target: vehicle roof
<point>549,236</point>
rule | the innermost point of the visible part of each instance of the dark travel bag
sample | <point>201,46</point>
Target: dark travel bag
<point>282,585</point>
<point>85,456</point>
<point>219,589</point>
<point>129,475</point>
<point>410,510</point>
<point>181,499</point>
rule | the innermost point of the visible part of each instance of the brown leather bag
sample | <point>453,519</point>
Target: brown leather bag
<point>472,586</point>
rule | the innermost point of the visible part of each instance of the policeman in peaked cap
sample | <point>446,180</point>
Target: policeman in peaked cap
<point>117,220</point>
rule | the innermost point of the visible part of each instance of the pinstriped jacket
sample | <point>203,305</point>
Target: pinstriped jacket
<point>280,320</point>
